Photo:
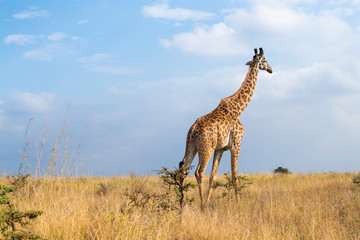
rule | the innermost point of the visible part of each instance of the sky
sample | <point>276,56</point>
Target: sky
<point>119,83</point>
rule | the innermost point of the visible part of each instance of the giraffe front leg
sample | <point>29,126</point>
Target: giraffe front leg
<point>217,158</point>
<point>237,136</point>
<point>234,161</point>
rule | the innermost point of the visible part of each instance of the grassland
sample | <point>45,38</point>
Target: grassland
<point>296,206</point>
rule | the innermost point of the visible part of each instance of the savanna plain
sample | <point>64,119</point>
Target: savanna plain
<point>274,206</point>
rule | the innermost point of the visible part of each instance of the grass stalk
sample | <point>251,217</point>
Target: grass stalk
<point>61,162</point>
<point>26,152</point>
<point>40,154</point>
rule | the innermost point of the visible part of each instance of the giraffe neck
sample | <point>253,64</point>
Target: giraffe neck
<point>240,100</point>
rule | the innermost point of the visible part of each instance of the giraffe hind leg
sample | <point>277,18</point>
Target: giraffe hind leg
<point>204,157</point>
<point>217,158</point>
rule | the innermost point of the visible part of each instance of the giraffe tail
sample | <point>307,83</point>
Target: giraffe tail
<point>190,150</point>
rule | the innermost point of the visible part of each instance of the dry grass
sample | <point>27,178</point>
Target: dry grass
<point>297,206</point>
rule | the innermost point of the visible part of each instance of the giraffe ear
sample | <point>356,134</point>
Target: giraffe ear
<point>248,63</point>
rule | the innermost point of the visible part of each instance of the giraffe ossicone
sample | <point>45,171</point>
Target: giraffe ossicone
<point>221,129</point>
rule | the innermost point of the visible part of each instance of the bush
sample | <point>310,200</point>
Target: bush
<point>13,222</point>
<point>243,181</point>
<point>356,180</point>
<point>176,180</point>
<point>282,170</point>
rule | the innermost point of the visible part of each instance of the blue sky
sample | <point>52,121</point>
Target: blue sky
<point>134,77</point>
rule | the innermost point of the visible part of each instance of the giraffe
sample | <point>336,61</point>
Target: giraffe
<point>221,130</point>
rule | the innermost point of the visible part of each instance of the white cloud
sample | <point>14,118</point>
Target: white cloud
<point>177,14</point>
<point>95,58</point>
<point>283,2</point>
<point>345,110</point>
<point>2,118</point>
<point>309,81</point>
<point>289,83</point>
<point>48,52</point>
<point>121,91</point>
<point>218,39</point>
<point>57,36</point>
<point>20,39</point>
<point>33,102</point>
<point>117,70</point>
<point>285,26</point>
<point>75,38</point>
<point>82,22</point>
<point>104,63</point>
<point>348,100</point>
<point>349,120</point>
<point>30,14</point>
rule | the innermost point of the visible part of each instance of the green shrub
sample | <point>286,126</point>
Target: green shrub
<point>176,180</point>
<point>243,181</point>
<point>12,220</point>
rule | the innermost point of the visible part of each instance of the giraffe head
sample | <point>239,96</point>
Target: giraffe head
<point>260,61</point>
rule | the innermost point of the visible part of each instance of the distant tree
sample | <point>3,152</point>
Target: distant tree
<point>356,179</point>
<point>282,170</point>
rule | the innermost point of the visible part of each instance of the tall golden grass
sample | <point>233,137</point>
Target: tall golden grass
<point>296,206</point>
<point>60,162</point>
